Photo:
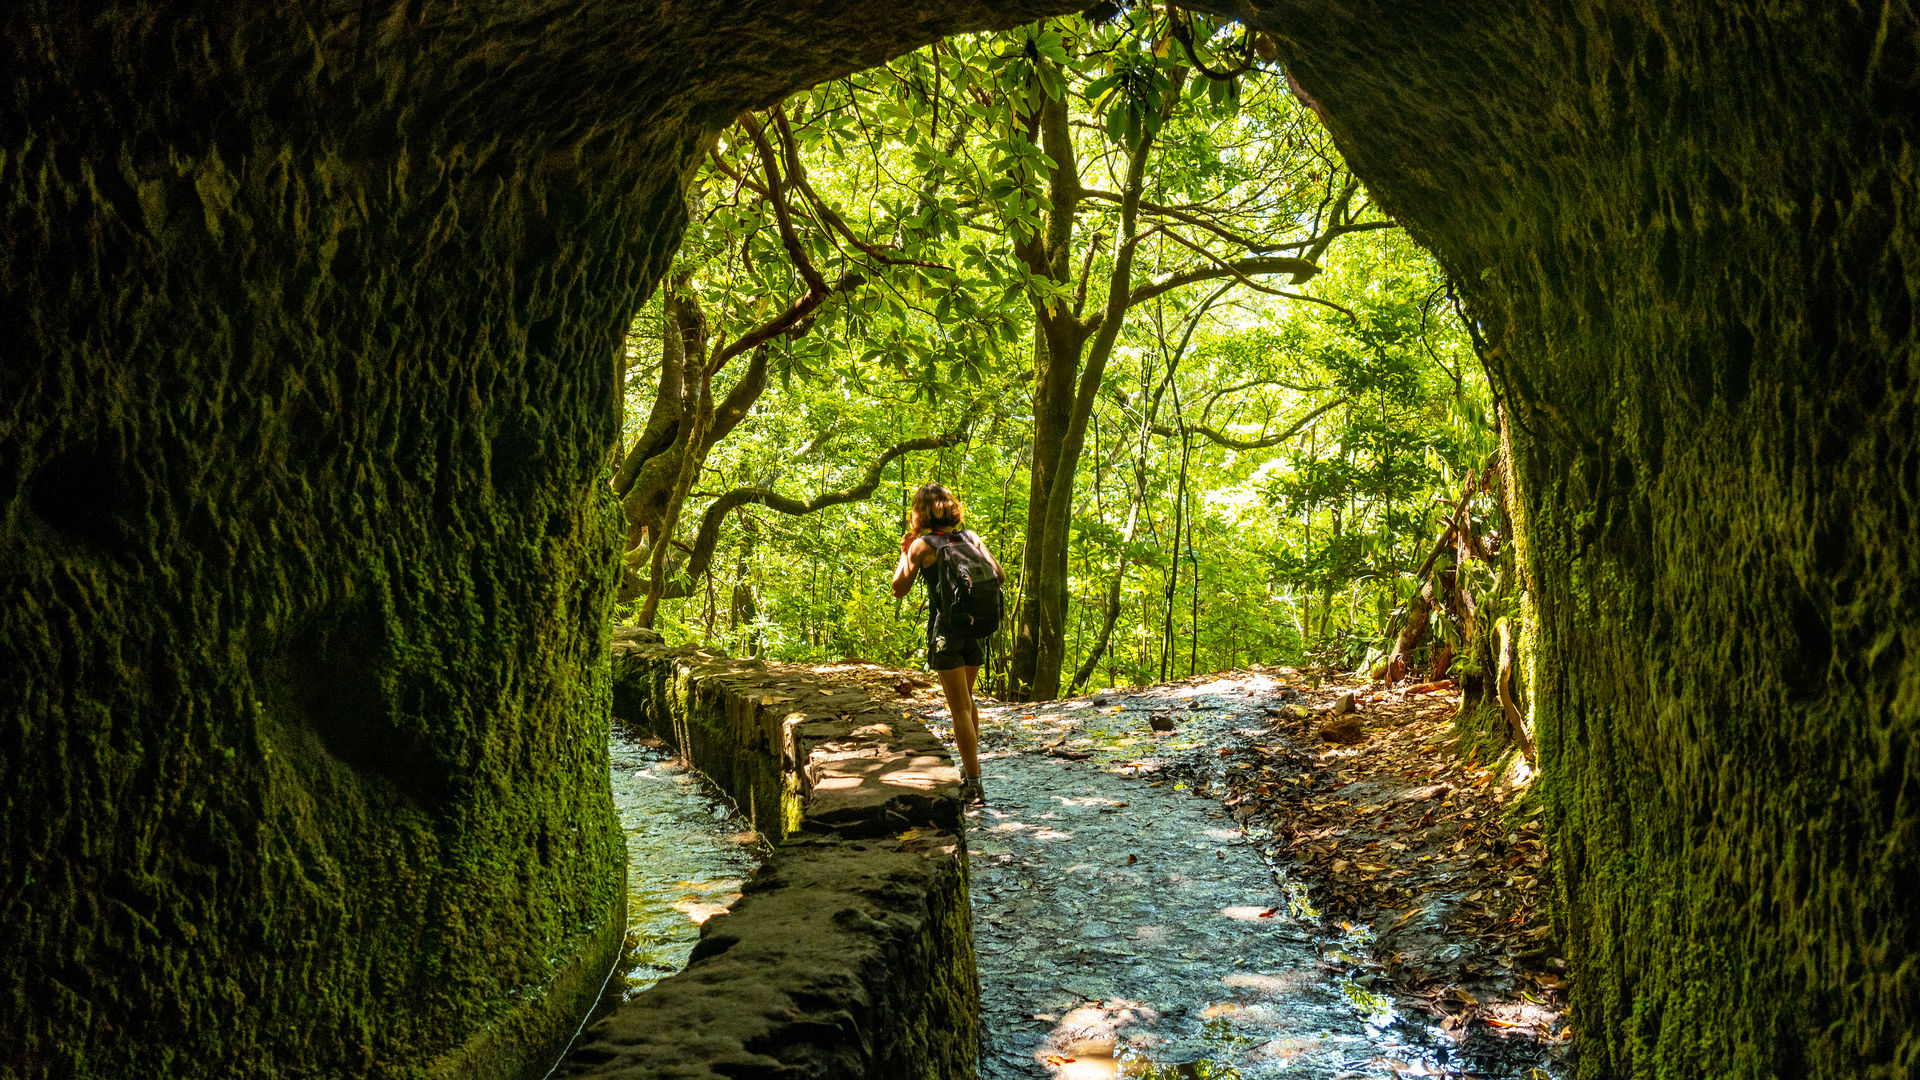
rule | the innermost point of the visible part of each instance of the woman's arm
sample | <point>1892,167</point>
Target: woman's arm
<point>903,572</point>
<point>912,557</point>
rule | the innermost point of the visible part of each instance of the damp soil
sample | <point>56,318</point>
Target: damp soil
<point>688,853</point>
<point>1236,897</point>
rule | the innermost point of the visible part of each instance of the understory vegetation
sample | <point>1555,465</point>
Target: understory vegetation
<point>1115,287</point>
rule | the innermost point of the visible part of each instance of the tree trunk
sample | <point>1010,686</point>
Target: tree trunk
<point>1482,724</point>
<point>1040,643</point>
<point>681,431</point>
<point>1413,631</point>
<point>1059,340</point>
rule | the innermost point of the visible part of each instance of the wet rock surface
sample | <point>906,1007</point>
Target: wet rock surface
<point>1126,925</point>
<point>1113,918</point>
<point>688,854</point>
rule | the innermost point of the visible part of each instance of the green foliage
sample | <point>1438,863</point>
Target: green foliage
<point>1284,550</point>
<point>1364,498</point>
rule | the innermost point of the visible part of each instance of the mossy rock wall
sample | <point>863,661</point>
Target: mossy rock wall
<point>308,325</point>
<point>302,745</point>
<point>850,954</point>
<point>309,314</point>
<point>1689,234</point>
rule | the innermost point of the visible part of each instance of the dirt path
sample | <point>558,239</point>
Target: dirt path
<point>1237,898</point>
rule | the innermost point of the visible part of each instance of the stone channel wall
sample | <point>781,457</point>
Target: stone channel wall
<point>850,955</point>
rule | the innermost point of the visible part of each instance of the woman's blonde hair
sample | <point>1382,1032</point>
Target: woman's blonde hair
<point>934,507</point>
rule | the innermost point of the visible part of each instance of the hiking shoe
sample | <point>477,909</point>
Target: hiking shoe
<point>971,792</point>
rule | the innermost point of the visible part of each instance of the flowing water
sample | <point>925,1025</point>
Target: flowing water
<point>688,851</point>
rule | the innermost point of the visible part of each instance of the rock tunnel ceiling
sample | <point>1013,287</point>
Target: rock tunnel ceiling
<point>263,263</point>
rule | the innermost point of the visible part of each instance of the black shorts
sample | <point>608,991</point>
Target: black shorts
<point>958,653</point>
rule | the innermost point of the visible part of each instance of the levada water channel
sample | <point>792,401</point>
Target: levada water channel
<point>688,852</point>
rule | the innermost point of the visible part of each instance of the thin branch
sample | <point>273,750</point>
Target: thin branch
<point>1335,233</point>
<point>782,214</point>
<point>1086,273</point>
<point>1348,312</point>
<point>708,539</point>
<point>1334,220</point>
<point>1256,286</point>
<point>1301,270</point>
<point>797,175</point>
<point>1183,33</point>
<point>1198,221</point>
<point>740,180</point>
<point>1252,444</point>
<point>817,287</point>
<point>1220,392</point>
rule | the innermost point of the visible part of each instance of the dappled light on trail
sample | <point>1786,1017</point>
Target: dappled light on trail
<point>1129,926</point>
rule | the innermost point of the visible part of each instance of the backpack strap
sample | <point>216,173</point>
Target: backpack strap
<point>936,541</point>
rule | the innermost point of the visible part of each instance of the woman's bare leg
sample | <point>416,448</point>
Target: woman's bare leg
<point>957,684</point>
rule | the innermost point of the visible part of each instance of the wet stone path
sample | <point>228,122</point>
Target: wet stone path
<point>1126,928</point>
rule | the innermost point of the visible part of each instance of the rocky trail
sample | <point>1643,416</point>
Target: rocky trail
<point>1222,879</point>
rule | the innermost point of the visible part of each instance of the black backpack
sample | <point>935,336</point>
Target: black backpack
<point>969,601</point>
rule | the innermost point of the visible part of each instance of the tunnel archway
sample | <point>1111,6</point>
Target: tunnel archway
<point>309,316</point>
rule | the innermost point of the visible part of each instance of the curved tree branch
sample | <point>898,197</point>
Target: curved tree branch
<point>708,539</point>
<point>1183,33</point>
<point>797,175</point>
<point>1258,247</point>
<point>1253,266</point>
<point>1348,312</point>
<point>1213,397</point>
<point>1086,273</point>
<point>1198,221</point>
<point>1333,220</point>
<point>817,287</point>
<point>1252,444</point>
<point>683,343</point>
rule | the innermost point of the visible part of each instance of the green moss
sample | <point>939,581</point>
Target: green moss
<point>793,804</point>
<point>310,332</point>
<point>951,1025</point>
<point>302,738</point>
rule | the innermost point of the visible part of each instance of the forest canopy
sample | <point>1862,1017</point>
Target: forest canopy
<point>1111,283</point>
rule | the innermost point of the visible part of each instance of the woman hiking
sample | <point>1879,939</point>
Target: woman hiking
<point>956,660</point>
